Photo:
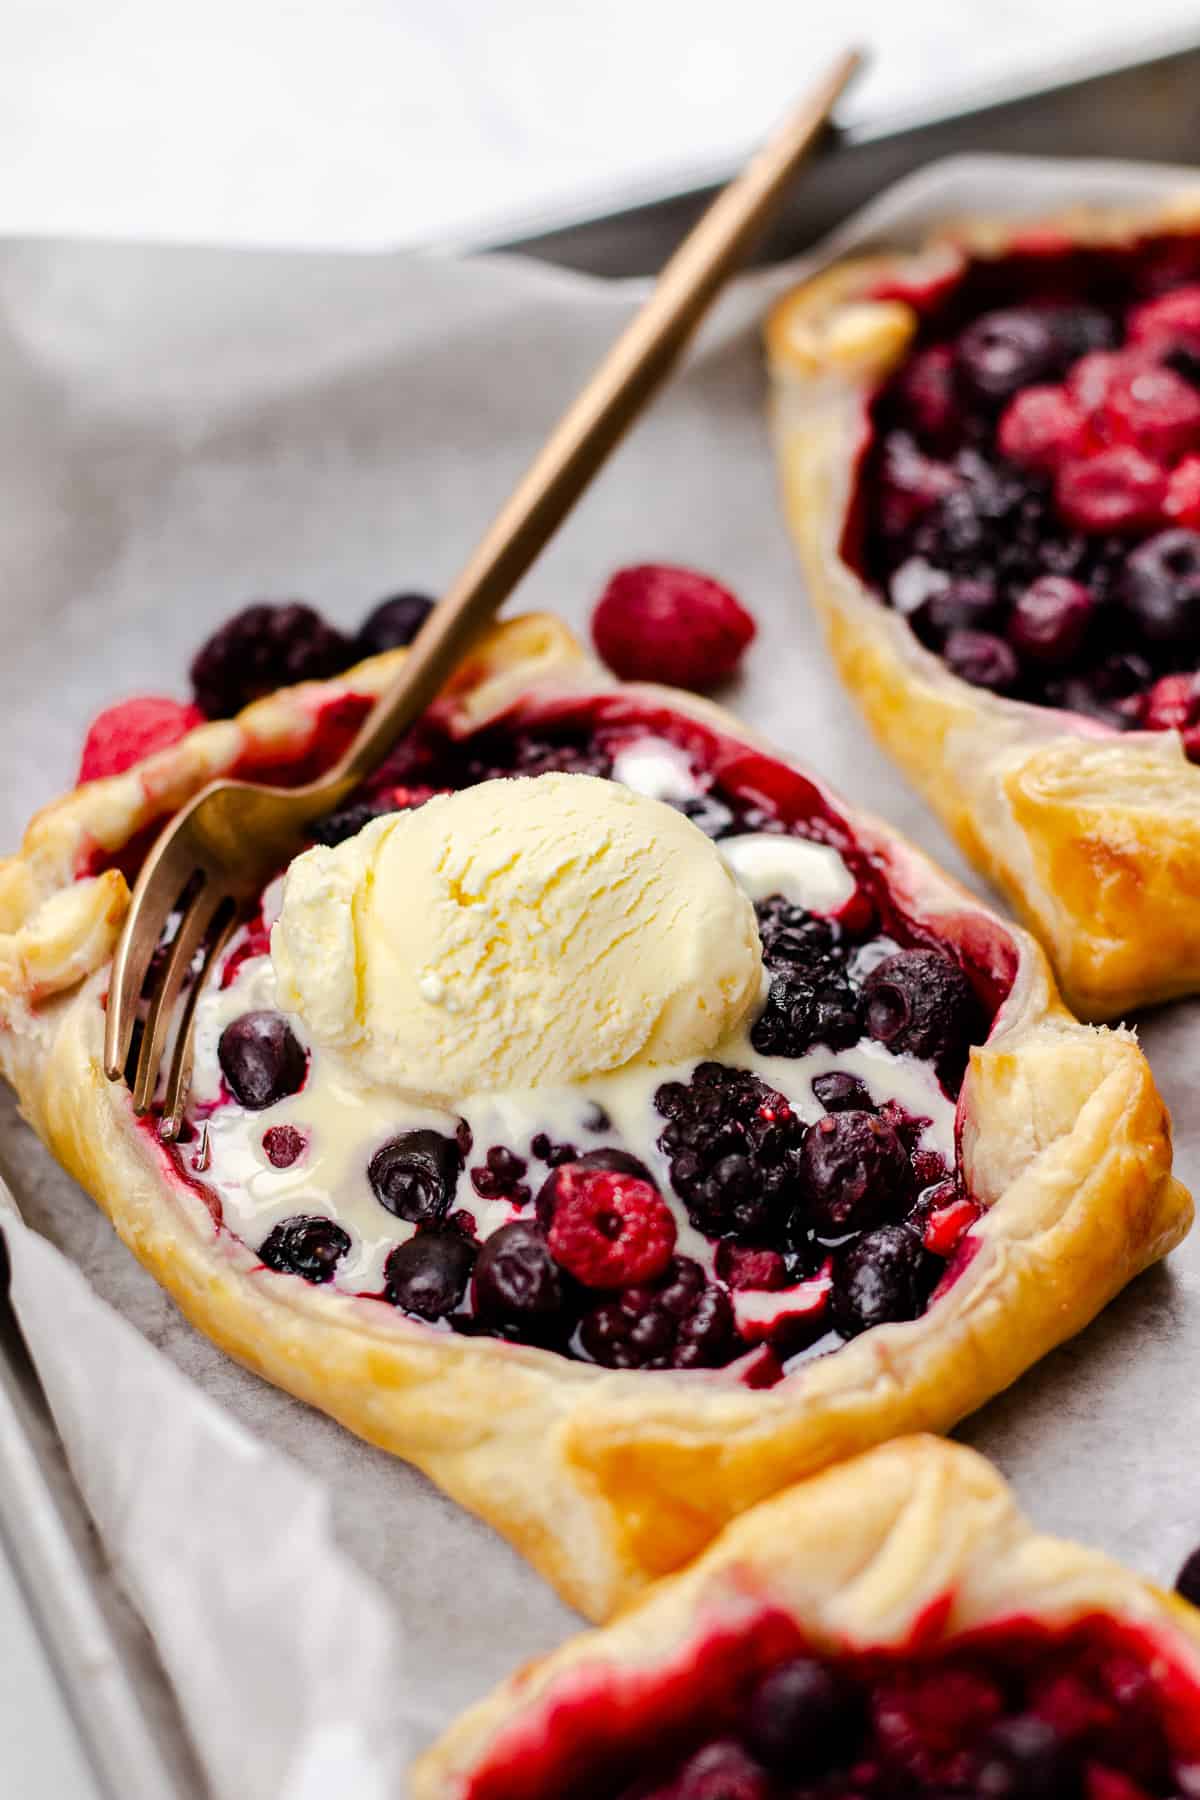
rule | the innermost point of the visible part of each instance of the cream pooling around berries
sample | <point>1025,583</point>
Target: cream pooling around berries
<point>516,934</point>
<point>800,1183</point>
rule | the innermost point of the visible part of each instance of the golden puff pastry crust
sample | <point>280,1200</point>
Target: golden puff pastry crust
<point>604,1480</point>
<point>919,1542</point>
<point>1094,837</point>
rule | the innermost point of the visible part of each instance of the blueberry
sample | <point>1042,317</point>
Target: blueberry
<point>1098,692</point>
<point>1050,619</point>
<point>1078,329</point>
<point>265,646</point>
<point>721,1771</point>
<point>345,823</point>
<point>1187,1582</point>
<point>393,623</point>
<point>519,1284</point>
<point>881,1278</point>
<point>965,605</point>
<point>919,1003</point>
<point>803,1719</point>
<point>261,1059</point>
<point>983,659</point>
<point>308,1246</point>
<point>713,817</point>
<point>1026,1759</point>
<point>839,1092</point>
<point>1160,589</point>
<point>855,1171</point>
<point>621,1162</point>
<point>428,1275</point>
<point>1184,359</point>
<point>415,1174</point>
<point>1003,351</point>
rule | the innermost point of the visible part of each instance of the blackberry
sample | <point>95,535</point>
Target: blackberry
<point>680,1322</point>
<point>265,646</point>
<point>801,1012</point>
<point>345,823</point>
<point>733,1145</point>
<point>812,999</point>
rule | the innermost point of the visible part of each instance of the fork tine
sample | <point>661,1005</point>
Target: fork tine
<point>187,940</point>
<point>149,909</point>
<point>179,1075</point>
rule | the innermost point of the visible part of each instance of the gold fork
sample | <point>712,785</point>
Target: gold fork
<point>219,852</point>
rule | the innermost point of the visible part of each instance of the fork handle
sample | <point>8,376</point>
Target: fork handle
<point>593,424</point>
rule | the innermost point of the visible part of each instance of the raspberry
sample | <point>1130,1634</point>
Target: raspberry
<point>925,1720</point>
<point>1173,319</point>
<point>945,1225</point>
<point>1118,490</point>
<point>1172,704</point>
<point>132,730</point>
<point>1110,1784</point>
<point>283,1145</point>
<point>608,1229</point>
<point>1182,504</point>
<point>1041,428</point>
<point>1155,410</point>
<point>265,646</point>
<point>658,623</point>
<point>1094,377</point>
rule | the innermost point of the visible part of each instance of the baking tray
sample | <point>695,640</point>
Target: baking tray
<point>100,1654</point>
<point>103,1659</point>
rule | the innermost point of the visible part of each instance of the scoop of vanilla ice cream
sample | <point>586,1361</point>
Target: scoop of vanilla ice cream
<point>515,934</point>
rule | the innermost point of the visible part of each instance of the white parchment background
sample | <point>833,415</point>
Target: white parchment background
<point>183,430</point>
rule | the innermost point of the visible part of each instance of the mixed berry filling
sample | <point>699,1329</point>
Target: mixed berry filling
<point>1030,498</point>
<point>1093,1712</point>
<point>761,1207</point>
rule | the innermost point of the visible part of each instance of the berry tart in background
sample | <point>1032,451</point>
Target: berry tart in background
<point>991,462</point>
<point>891,1627</point>
<point>600,1113</point>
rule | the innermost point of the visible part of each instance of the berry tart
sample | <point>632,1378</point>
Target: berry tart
<point>600,1114</point>
<point>991,462</point>
<point>892,1627</point>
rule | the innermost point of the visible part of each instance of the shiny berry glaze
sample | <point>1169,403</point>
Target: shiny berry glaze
<point>1029,496</point>
<point>1097,1711</point>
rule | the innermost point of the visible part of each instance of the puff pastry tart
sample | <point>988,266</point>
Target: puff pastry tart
<point>892,1627</point>
<point>991,461</point>
<point>617,1144</point>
